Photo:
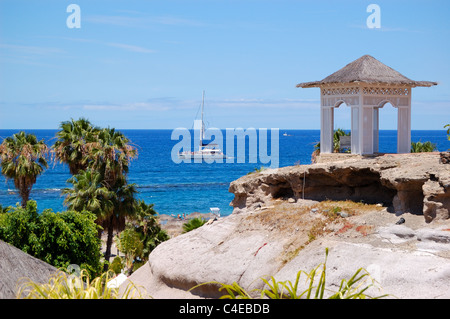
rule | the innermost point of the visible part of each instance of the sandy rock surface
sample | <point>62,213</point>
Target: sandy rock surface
<point>396,226</point>
<point>409,260</point>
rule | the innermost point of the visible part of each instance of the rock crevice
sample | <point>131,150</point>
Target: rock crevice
<point>406,183</point>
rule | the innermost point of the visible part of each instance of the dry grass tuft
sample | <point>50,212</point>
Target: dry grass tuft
<point>303,224</point>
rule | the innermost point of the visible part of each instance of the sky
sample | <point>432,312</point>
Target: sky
<point>139,64</point>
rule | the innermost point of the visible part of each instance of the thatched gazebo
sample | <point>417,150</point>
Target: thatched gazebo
<point>365,85</point>
<point>16,265</point>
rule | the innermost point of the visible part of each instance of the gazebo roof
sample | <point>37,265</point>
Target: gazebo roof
<point>15,265</point>
<point>366,69</point>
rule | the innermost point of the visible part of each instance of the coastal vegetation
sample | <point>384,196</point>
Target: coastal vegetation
<point>193,224</point>
<point>117,265</point>
<point>60,239</point>
<point>99,160</point>
<point>336,144</point>
<point>141,235</point>
<point>419,147</point>
<point>99,200</point>
<point>23,159</point>
<point>74,141</point>
<point>337,140</point>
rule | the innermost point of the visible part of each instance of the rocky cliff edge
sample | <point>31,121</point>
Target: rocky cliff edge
<point>387,214</point>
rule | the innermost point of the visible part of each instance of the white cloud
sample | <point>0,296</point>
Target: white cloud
<point>137,106</point>
<point>142,21</point>
<point>28,55</point>
<point>129,47</point>
<point>383,28</point>
<point>267,103</point>
<point>124,46</point>
<point>115,20</point>
<point>34,50</point>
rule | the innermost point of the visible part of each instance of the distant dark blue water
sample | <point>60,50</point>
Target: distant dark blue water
<point>186,188</point>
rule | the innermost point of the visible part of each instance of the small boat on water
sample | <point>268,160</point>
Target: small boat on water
<point>205,151</point>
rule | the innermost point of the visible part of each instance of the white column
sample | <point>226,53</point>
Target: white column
<point>404,130</point>
<point>355,130</point>
<point>326,129</point>
<point>366,130</point>
<point>376,128</point>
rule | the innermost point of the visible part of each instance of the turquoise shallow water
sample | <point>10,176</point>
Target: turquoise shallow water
<point>187,187</point>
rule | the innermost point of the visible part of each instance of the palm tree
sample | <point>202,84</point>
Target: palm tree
<point>23,158</point>
<point>73,143</point>
<point>193,224</point>
<point>124,205</point>
<point>102,157</point>
<point>110,205</point>
<point>419,147</point>
<point>146,223</point>
<point>111,154</point>
<point>89,193</point>
<point>336,144</point>
<point>336,139</point>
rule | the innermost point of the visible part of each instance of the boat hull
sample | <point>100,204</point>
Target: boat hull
<point>202,156</point>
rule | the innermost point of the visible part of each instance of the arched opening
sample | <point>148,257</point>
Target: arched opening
<point>342,126</point>
<point>342,115</point>
<point>386,139</point>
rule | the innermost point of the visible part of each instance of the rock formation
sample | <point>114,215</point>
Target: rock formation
<point>283,219</point>
<point>414,183</point>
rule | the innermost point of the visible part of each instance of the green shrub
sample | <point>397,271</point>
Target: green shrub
<point>130,243</point>
<point>419,147</point>
<point>59,239</point>
<point>117,265</point>
<point>141,235</point>
<point>193,224</point>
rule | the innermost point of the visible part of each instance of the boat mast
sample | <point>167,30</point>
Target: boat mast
<point>202,133</point>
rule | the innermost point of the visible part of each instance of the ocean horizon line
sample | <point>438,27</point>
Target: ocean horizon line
<point>170,129</point>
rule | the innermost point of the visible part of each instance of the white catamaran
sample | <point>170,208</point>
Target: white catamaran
<point>205,151</point>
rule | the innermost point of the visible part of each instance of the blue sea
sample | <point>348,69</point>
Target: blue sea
<point>186,187</point>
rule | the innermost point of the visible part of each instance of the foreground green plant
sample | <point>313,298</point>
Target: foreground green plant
<point>353,288</point>
<point>419,147</point>
<point>64,286</point>
<point>193,224</point>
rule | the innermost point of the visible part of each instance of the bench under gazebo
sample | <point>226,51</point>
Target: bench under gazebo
<point>365,85</point>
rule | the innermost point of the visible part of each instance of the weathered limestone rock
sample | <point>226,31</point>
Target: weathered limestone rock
<point>437,200</point>
<point>268,233</point>
<point>408,183</point>
<point>445,157</point>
